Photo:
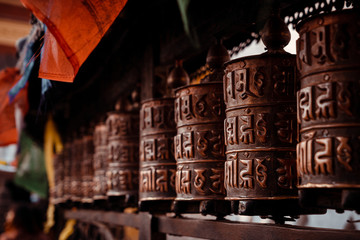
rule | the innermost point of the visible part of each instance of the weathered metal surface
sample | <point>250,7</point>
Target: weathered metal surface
<point>87,169</point>
<point>199,143</point>
<point>328,58</point>
<point>157,163</point>
<point>123,153</point>
<point>100,162</point>
<point>260,125</point>
<point>76,165</point>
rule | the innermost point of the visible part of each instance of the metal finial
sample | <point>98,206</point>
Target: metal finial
<point>217,55</point>
<point>178,76</point>
<point>275,34</point>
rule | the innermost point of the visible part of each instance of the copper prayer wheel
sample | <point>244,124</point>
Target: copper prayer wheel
<point>260,125</point>
<point>199,143</point>
<point>87,170</point>
<point>328,58</point>
<point>67,153</point>
<point>100,162</point>
<point>123,153</point>
<point>76,165</point>
<point>57,191</point>
<point>157,163</point>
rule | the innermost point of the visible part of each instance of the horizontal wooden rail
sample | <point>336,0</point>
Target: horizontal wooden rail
<point>156,226</point>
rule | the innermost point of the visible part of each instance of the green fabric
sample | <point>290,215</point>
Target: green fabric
<point>183,7</point>
<point>31,172</point>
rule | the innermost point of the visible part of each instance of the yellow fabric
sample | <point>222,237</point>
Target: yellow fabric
<point>49,218</point>
<point>68,229</point>
<point>51,140</point>
<point>200,74</point>
<point>129,232</point>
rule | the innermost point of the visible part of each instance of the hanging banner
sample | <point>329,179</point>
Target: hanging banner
<point>8,131</point>
<point>74,30</point>
<point>31,173</point>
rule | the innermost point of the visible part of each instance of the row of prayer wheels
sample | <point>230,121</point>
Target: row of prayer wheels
<point>255,133</point>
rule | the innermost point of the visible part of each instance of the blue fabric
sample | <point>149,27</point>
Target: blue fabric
<point>28,65</point>
<point>45,85</point>
<point>32,48</point>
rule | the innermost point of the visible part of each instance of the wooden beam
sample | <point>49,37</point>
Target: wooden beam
<point>14,12</point>
<point>11,31</point>
<point>12,2</point>
<point>115,218</point>
<point>209,229</point>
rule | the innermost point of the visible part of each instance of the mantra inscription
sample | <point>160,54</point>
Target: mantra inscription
<point>76,177</point>
<point>320,162</point>
<point>273,176</point>
<point>123,153</point>
<point>67,169</point>
<point>263,126</point>
<point>330,41</point>
<point>100,185</point>
<point>156,149</point>
<point>87,170</point>
<point>157,116</point>
<point>122,125</point>
<point>331,158</point>
<point>157,180</point>
<point>260,127</point>
<point>57,191</point>
<point>121,180</point>
<point>199,143</point>
<point>199,181</point>
<point>100,162</point>
<point>328,101</point>
<point>256,81</point>
<point>157,163</point>
<point>193,106</point>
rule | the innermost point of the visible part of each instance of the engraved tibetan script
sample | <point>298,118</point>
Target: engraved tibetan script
<point>183,181</point>
<point>242,173</point>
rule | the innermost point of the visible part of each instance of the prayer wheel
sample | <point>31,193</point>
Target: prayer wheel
<point>57,191</point>
<point>199,143</point>
<point>123,153</point>
<point>157,132</point>
<point>76,165</point>
<point>87,170</point>
<point>67,169</point>
<point>328,59</point>
<point>157,163</point>
<point>100,162</point>
<point>260,125</point>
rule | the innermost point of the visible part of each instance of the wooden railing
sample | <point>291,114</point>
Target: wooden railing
<point>157,226</point>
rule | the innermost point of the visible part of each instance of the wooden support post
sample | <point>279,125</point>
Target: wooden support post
<point>148,228</point>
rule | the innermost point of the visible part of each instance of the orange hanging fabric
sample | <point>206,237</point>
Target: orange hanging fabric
<point>74,29</point>
<point>8,132</point>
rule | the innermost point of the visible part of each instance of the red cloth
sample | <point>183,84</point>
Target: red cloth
<point>8,132</point>
<point>75,28</point>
